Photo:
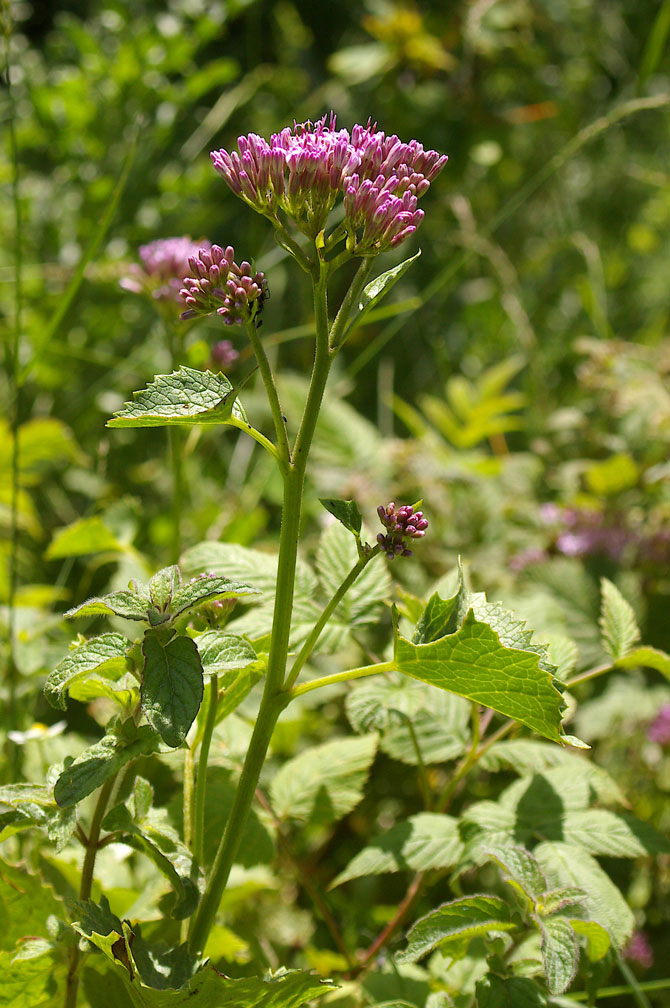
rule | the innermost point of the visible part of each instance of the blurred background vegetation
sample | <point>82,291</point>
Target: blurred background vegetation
<point>525,361</point>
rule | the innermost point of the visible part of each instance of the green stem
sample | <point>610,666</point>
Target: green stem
<point>338,332</point>
<point>286,242</point>
<point>256,435</point>
<point>176,442</point>
<point>13,751</point>
<point>317,629</point>
<point>274,698</point>
<point>339,677</point>
<point>86,883</point>
<point>271,391</point>
<point>187,802</point>
<point>212,697</point>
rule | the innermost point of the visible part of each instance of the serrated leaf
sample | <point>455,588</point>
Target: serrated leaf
<point>617,621</point>
<point>375,291</point>
<point>568,865</point>
<point>346,512</point>
<point>560,953</point>
<point>184,397</point>
<point>615,834</point>
<point>646,657</point>
<point>33,805</point>
<point>519,866</point>
<point>100,761</point>
<point>462,918</point>
<point>88,535</point>
<point>204,589</point>
<point>508,992</point>
<point>105,654</point>
<point>162,587</point>
<point>323,783</point>
<point>473,663</point>
<point>98,925</point>
<point>34,981</point>
<point>172,685</point>
<point>527,756</point>
<point>26,901</point>
<point>223,652</point>
<point>129,604</point>
<point>424,841</point>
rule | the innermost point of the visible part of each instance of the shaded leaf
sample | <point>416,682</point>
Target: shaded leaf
<point>346,512</point>
<point>336,555</point>
<point>172,685</point>
<point>509,992</point>
<point>424,841</point>
<point>95,765</point>
<point>520,867</point>
<point>325,782</point>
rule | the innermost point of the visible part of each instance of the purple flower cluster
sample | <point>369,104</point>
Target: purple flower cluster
<point>163,265</point>
<point>219,285</point>
<point>659,729</point>
<point>588,532</point>
<point>303,171</point>
<point>638,950</point>
<point>402,525</point>
<point>223,354</point>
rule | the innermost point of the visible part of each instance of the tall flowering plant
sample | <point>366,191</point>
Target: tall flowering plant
<point>332,197</point>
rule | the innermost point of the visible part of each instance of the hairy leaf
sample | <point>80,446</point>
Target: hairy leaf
<point>172,685</point>
<point>617,622</point>
<point>520,867</point>
<point>206,589</point>
<point>105,654</point>
<point>33,805</point>
<point>462,918</point>
<point>336,555</point>
<point>223,652</point>
<point>130,604</point>
<point>95,765</point>
<point>184,397</point>
<point>560,953</point>
<point>424,841</point>
<point>616,834</point>
<point>324,783</point>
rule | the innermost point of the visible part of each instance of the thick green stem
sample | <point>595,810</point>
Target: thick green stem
<point>86,883</point>
<point>274,697</point>
<point>340,677</point>
<point>212,697</point>
<point>176,441</point>
<point>317,629</point>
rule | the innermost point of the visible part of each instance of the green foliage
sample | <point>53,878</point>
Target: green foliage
<point>172,685</point>
<point>617,622</point>
<point>185,397</point>
<point>101,761</point>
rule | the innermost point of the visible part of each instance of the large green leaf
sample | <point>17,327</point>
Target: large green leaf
<point>424,841</point>
<point>105,654</point>
<point>460,919</point>
<point>529,756</point>
<point>565,864</point>
<point>616,834</point>
<point>172,686</point>
<point>31,982</point>
<point>103,759</point>
<point>184,397</point>
<point>25,903</point>
<point>324,783</point>
<point>617,621</point>
<point>33,805</point>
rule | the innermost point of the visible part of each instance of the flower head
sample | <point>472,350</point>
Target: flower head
<point>659,729</point>
<point>303,170</point>
<point>163,265</point>
<point>638,950</point>
<point>218,284</point>
<point>402,525</point>
<point>223,354</point>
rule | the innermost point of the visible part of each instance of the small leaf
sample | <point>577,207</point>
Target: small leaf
<point>646,657</point>
<point>462,918</point>
<point>88,535</point>
<point>224,652</point>
<point>206,588</point>
<point>520,866</point>
<point>324,783</point>
<point>105,654</point>
<point>424,841</point>
<point>98,925</point>
<point>376,290</point>
<point>560,953</point>
<point>185,397</point>
<point>162,587</point>
<point>130,604</point>
<point>597,941</point>
<point>617,622</point>
<point>95,765</point>
<point>346,512</point>
<point>172,685</point>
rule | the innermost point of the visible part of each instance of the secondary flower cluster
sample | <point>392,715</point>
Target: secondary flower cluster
<point>303,171</point>
<point>219,285</point>
<point>402,525</point>
<point>163,265</point>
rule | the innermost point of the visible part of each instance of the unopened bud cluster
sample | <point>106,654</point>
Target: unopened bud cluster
<point>303,171</point>
<point>218,284</point>
<point>402,525</point>
<point>163,265</point>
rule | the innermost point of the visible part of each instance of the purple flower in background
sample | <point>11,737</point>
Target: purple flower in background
<point>219,285</point>
<point>638,950</point>
<point>402,525</point>
<point>303,170</point>
<point>163,265</point>
<point>223,354</point>
<point>659,729</point>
